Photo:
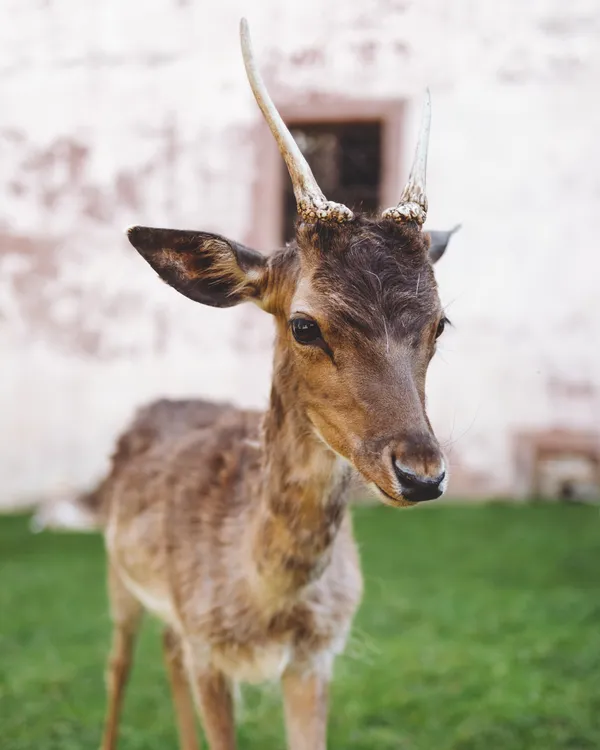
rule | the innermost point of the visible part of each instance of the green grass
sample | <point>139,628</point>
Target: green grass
<point>480,630</point>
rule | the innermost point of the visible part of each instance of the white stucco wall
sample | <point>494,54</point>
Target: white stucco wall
<point>122,112</point>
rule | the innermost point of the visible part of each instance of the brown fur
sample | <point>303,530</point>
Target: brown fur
<point>162,420</point>
<point>233,528</point>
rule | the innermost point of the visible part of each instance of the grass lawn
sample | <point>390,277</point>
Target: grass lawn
<point>480,630</point>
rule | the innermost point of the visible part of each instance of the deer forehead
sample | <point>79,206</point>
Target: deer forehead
<point>374,306</point>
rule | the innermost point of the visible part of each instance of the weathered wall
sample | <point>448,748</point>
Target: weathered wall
<point>119,112</point>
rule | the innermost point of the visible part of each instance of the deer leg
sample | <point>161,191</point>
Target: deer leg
<point>212,692</point>
<point>126,614</point>
<point>180,688</point>
<point>305,701</point>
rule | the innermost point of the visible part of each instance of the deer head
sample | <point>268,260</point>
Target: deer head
<point>356,307</point>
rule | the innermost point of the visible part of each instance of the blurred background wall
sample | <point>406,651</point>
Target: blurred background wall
<point>122,111</point>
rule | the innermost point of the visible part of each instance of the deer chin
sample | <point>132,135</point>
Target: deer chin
<point>373,478</point>
<point>394,501</point>
<point>397,501</point>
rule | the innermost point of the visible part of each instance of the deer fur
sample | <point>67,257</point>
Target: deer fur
<point>232,527</point>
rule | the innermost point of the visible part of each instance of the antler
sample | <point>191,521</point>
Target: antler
<point>413,201</point>
<point>312,204</point>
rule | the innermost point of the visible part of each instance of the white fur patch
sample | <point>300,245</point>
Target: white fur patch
<point>161,606</point>
<point>261,664</point>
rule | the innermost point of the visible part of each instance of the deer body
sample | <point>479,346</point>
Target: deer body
<point>233,528</point>
<point>236,535</point>
<point>240,564</point>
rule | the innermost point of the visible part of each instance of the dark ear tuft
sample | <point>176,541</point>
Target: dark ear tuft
<point>439,242</point>
<point>205,267</point>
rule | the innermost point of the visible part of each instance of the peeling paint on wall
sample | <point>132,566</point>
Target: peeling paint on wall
<point>107,122</point>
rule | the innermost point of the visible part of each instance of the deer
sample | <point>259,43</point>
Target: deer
<point>233,527</point>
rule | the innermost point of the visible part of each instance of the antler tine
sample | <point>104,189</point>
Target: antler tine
<point>312,204</point>
<point>413,201</point>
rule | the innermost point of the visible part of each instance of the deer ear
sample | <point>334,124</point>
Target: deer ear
<point>207,268</point>
<point>438,242</point>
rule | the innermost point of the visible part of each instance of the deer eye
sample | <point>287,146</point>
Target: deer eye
<point>440,328</point>
<point>305,331</point>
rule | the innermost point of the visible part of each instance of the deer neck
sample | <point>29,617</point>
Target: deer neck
<point>303,493</point>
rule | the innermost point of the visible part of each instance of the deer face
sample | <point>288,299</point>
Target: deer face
<point>362,326</point>
<point>357,312</point>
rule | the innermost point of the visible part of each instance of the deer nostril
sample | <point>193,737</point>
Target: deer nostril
<point>416,487</point>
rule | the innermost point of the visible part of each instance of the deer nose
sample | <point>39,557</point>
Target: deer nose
<point>417,487</point>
